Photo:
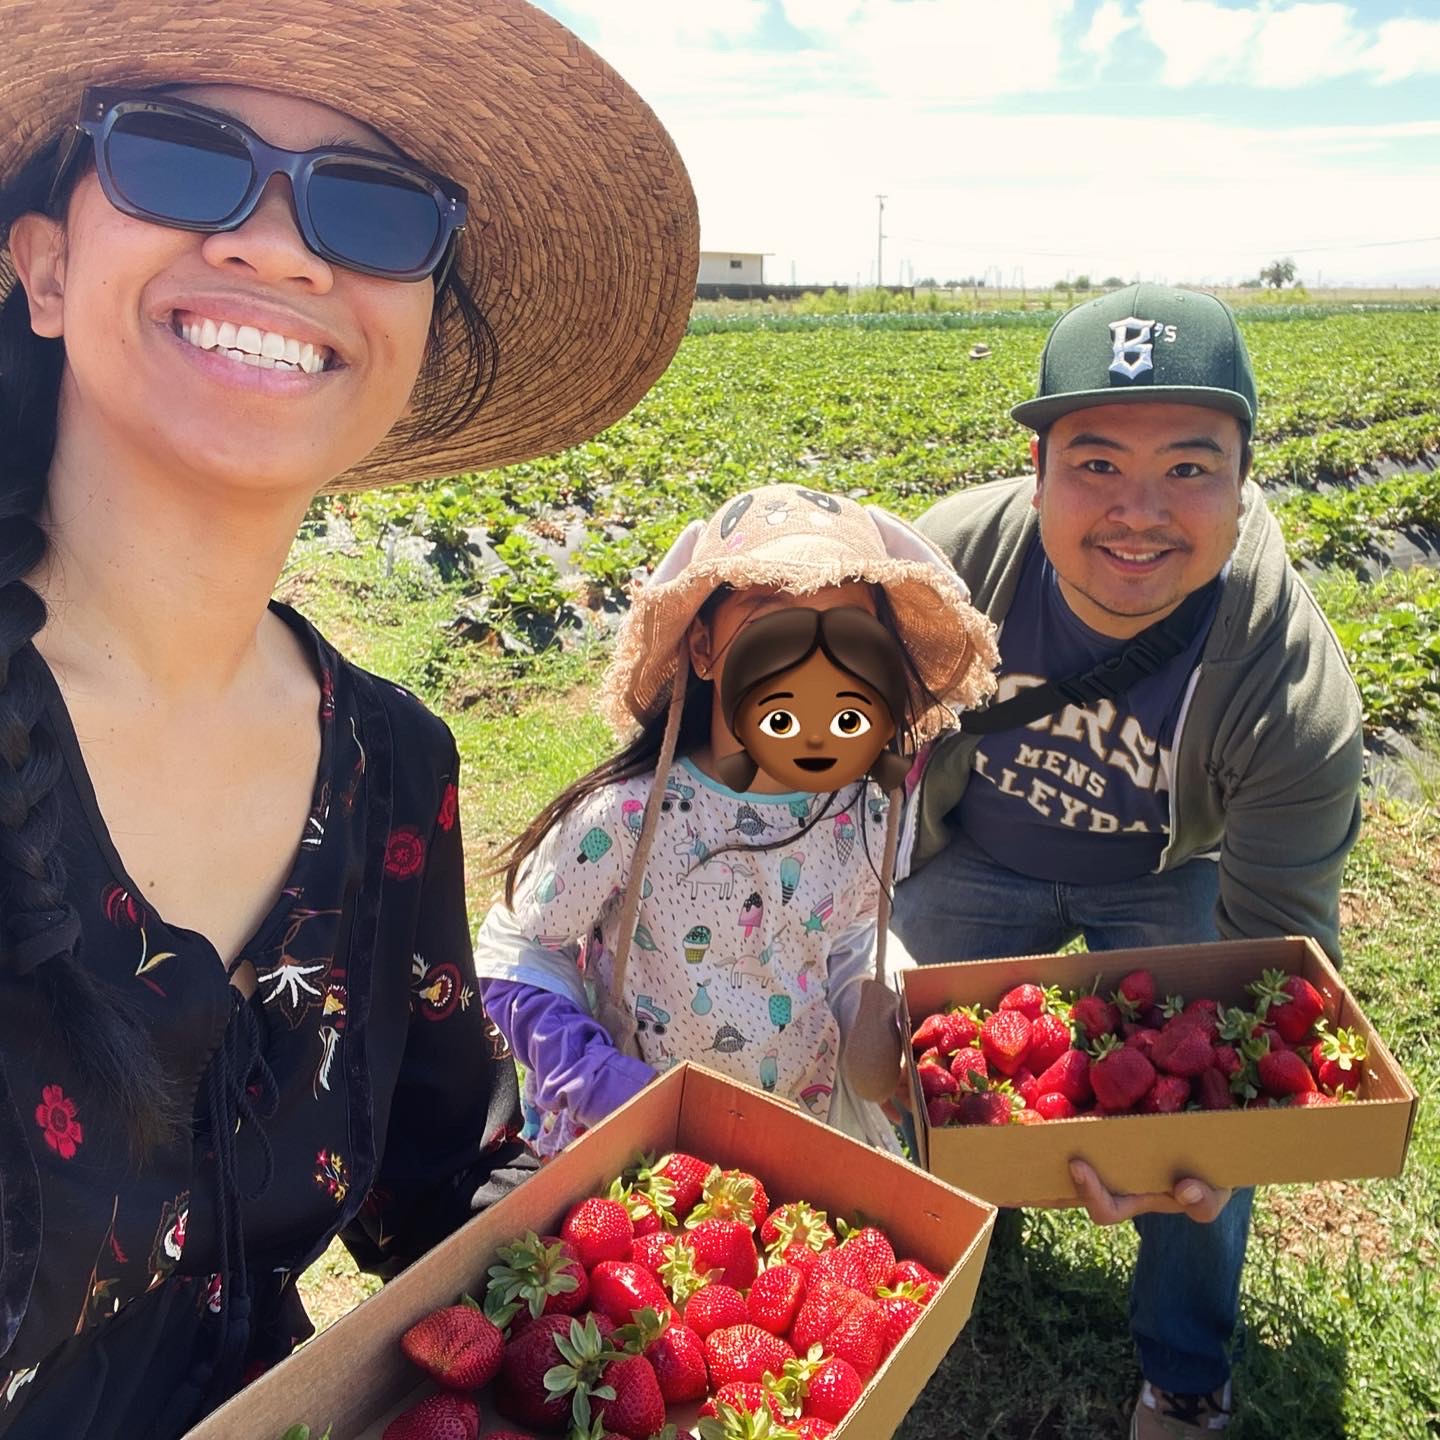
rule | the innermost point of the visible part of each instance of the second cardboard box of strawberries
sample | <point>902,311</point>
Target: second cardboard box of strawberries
<point>1243,1062</point>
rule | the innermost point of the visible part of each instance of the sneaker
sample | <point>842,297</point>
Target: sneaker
<point>1163,1415</point>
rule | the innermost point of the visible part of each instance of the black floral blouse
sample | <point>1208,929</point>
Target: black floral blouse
<point>361,1091</point>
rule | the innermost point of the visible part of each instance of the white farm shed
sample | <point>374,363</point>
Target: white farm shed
<point>732,267</point>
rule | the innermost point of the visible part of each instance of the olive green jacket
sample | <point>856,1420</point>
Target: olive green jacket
<point>1267,755</point>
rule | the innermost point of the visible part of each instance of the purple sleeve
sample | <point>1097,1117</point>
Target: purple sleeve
<point>573,1063</point>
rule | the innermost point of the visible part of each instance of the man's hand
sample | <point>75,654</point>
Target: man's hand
<point>1201,1202</point>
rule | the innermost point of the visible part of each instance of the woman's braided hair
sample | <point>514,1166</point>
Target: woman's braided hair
<point>106,1042</point>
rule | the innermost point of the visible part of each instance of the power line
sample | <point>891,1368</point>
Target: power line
<point>1249,250</point>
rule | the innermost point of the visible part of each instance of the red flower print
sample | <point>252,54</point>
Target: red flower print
<point>121,907</point>
<point>449,803</point>
<point>404,853</point>
<point>55,1115</point>
<point>332,1176</point>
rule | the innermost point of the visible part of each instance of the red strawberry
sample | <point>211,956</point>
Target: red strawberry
<point>1313,1097</point>
<point>744,1352</point>
<point>536,1275</point>
<point>1182,1049</point>
<point>751,1396</point>
<point>796,1222</point>
<point>947,1031</point>
<point>638,1409</point>
<point>1119,1077</point>
<point>860,1337</point>
<point>438,1417</point>
<point>863,1262</point>
<point>1204,1016</point>
<point>675,1352</point>
<point>1028,999</point>
<point>775,1298</point>
<point>810,1427</point>
<point>650,1211</point>
<point>731,1195</point>
<point>1049,1040</point>
<point>1055,1106</point>
<point>457,1347</point>
<point>962,1028</point>
<point>1290,1003</point>
<point>715,1307</point>
<point>1069,1076</point>
<point>968,1063</point>
<point>599,1230</point>
<point>832,1391</point>
<point>1026,1086</point>
<point>1227,1061</point>
<point>652,1251</point>
<point>826,1304</point>
<point>941,1111</point>
<point>1213,1091</point>
<point>519,1389</point>
<point>912,1272</point>
<point>1283,1072</point>
<point>1339,1059</point>
<point>687,1176</point>
<point>1169,1093</point>
<point>1095,1017</point>
<point>618,1288</point>
<point>900,1313</point>
<point>727,1246</point>
<point>936,1081</point>
<point>1135,994</point>
<point>1026,1117</point>
<point>1143,1040</point>
<point>987,1107</point>
<point>1005,1039</point>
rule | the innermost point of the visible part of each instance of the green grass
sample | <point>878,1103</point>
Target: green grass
<point>1338,1293</point>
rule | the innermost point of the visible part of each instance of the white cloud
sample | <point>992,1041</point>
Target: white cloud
<point>1110,21</point>
<point>1202,43</point>
<point>939,49</point>
<point>788,147</point>
<point>1283,46</point>
<point>1404,48</point>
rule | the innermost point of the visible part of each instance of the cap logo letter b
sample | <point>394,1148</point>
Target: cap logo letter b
<point>1133,341</point>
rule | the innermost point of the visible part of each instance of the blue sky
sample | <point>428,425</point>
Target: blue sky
<point>1170,139</point>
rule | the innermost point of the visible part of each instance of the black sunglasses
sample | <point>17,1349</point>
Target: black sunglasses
<point>177,164</point>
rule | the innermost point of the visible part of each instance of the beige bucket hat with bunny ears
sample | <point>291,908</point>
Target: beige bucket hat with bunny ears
<point>802,540</point>
<point>582,245</point>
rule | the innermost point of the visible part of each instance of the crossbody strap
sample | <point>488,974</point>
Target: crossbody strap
<point>1142,655</point>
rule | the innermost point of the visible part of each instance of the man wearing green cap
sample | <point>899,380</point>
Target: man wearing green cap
<point>1174,752</point>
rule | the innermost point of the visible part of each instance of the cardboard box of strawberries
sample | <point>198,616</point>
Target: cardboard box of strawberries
<point>1239,1062</point>
<point>760,1278</point>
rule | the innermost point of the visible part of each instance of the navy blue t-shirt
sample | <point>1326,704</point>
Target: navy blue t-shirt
<point>1081,795</point>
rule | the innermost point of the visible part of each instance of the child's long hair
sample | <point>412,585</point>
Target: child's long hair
<point>641,755</point>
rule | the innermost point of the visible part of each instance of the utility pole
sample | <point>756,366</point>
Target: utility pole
<point>880,242</point>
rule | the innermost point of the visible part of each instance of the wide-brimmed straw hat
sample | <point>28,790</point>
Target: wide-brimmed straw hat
<point>801,540</point>
<point>582,245</point>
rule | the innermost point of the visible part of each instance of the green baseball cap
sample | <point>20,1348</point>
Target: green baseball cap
<point>1144,343</point>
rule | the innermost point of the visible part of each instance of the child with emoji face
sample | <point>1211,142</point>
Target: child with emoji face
<point>717,890</point>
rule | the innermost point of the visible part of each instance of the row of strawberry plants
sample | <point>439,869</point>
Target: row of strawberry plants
<point>1341,527</point>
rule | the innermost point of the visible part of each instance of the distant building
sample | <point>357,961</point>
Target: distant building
<point>732,267</point>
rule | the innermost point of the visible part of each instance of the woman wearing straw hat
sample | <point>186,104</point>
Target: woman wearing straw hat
<point>248,258</point>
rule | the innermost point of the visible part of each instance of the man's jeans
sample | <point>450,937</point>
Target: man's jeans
<point>1185,1295</point>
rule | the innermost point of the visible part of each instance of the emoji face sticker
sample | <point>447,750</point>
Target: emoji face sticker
<point>814,696</point>
<point>814,727</point>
